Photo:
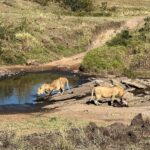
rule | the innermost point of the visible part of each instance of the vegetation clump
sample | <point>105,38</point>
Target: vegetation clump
<point>78,5</point>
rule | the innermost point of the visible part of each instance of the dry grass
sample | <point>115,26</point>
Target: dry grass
<point>129,3</point>
<point>56,35</point>
<point>114,137</point>
<point>39,124</point>
<point>58,32</point>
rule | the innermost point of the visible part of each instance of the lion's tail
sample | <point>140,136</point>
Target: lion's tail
<point>67,83</point>
<point>92,94</point>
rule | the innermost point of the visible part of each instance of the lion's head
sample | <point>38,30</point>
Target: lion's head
<point>43,89</point>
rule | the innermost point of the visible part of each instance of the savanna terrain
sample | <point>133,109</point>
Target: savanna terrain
<point>99,37</point>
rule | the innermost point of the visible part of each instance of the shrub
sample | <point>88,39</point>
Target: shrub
<point>104,6</point>
<point>42,2</point>
<point>145,31</point>
<point>78,5</point>
<point>105,59</point>
<point>122,39</point>
<point>11,56</point>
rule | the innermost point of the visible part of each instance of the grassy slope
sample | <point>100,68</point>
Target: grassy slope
<point>31,31</point>
<point>124,54</point>
<point>127,3</point>
<point>46,33</point>
<point>125,7</point>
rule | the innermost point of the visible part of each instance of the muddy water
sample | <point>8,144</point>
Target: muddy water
<point>22,90</point>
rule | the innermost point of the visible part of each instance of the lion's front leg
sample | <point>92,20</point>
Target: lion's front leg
<point>62,91</point>
<point>113,98</point>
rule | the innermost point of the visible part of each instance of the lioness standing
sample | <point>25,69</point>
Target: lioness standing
<point>107,92</point>
<point>58,84</point>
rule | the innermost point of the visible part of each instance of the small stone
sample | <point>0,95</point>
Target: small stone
<point>137,120</point>
<point>1,144</point>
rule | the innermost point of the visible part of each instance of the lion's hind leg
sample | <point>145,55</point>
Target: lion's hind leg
<point>96,102</point>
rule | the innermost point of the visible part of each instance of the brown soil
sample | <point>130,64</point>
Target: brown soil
<point>102,115</point>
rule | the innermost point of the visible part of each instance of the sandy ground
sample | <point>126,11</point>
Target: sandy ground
<point>102,115</point>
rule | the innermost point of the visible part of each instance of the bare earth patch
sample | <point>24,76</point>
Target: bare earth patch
<point>102,115</point>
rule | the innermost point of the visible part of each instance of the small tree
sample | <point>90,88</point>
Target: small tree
<point>104,6</point>
<point>145,31</point>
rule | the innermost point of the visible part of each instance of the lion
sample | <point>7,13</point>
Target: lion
<point>58,84</point>
<point>107,92</point>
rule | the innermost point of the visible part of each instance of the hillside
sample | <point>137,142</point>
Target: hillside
<point>33,31</point>
<point>126,53</point>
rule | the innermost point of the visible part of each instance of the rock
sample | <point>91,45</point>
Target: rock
<point>116,126</point>
<point>131,89</point>
<point>144,81</point>
<point>1,144</point>
<point>128,96</point>
<point>31,62</point>
<point>140,95</point>
<point>122,103</point>
<point>147,92</point>
<point>146,98</point>
<point>135,84</point>
<point>137,120</point>
<point>115,82</point>
<point>76,93</point>
<point>98,82</point>
<point>75,71</point>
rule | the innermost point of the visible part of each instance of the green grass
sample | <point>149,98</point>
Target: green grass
<point>105,59</point>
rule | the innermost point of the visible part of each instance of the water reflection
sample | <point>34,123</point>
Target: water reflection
<point>22,90</point>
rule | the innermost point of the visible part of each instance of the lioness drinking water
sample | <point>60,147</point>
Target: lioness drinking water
<point>58,84</point>
<point>107,92</point>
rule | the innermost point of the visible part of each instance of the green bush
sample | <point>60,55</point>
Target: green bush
<point>122,39</point>
<point>78,5</point>
<point>42,2</point>
<point>105,59</point>
<point>104,6</point>
<point>145,31</point>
